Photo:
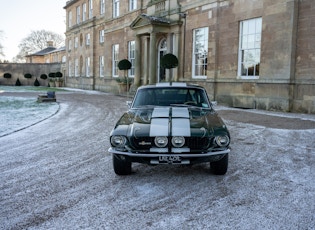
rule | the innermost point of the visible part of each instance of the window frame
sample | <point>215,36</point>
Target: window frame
<point>102,36</point>
<point>87,39</point>
<point>116,8</point>
<point>132,57</point>
<point>78,18</point>
<point>84,12</point>
<point>87,66</point>
<point>102,66</point>
<point>102,7</point>
<point>252,46</point>
<point>203,65</point>
<point>115,60</point>
<point>132,5</point>
<point>90,9</point>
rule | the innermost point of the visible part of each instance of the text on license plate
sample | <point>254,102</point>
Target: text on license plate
<point>170,159</point>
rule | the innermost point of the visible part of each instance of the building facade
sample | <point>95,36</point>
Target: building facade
<point>246,53</point>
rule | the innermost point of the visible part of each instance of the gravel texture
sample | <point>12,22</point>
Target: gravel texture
<point>57,174</point>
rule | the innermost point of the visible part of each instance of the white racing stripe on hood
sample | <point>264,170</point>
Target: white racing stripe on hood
<point>160,122</point>
<point>180,122</point>
<point>181,127</point>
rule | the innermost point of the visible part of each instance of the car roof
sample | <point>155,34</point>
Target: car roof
<point>170,85</point>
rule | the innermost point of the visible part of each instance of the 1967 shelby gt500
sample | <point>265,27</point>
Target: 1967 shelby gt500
<point>170,123</point>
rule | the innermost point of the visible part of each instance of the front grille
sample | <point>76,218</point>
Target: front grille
<point>142,143</point>
<point>197,143</point>
<point>193,143</point>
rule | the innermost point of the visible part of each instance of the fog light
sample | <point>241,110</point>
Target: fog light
<point>178,142</point>
<point>161,142</point>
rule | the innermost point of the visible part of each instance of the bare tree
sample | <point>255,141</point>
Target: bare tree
<point>1,46</point>
<point>36,41</point>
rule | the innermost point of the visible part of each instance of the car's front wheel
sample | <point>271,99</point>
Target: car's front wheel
<point>220,167</point>
<point>121,164</point>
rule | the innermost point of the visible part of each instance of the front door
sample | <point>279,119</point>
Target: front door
<point>162,51</point>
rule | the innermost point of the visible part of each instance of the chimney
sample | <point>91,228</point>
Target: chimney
<point>50,43</point>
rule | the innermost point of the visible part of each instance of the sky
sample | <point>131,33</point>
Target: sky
<point>19,18</point>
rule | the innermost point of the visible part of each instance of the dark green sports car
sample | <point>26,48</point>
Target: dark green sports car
<point>170,123</point>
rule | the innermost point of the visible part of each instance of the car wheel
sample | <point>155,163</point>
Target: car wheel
<point>122,166</point>
<point>220,167</point>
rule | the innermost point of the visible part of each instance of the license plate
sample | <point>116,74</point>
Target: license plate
<point>170,159</point>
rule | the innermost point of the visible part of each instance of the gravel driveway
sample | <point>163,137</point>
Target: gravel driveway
<point>58,174</point>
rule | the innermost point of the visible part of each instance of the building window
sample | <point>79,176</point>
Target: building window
<point>131,57</point>
<point>70,19</point>
<point>90,9</point>
<point>115,8</point>
<point>200,53</point>
<point>70,69</point>
<point>76,67</point>
<point>102,66</point>
<point>249,48</point>
<point>102,36</point>
<point>132,5</point>
<point>84,13</point>
<point>69,45</point>
<point>115,52</point>
<point>102,7</point>
<point>76,42</point>
<point>78,14</point>
<point>87,39</point>
<point>87,66</point>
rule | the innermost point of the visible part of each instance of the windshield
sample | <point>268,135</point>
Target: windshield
<point>171,97</point>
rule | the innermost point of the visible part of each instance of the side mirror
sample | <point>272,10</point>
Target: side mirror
<point>129,103</point>
<point>214,103</point>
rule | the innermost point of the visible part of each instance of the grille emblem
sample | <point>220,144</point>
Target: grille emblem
<point>144,143</point>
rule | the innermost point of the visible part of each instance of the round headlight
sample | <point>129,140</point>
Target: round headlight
<point>161,142</point>
<point>222,141</point>
<point>178,142</point>
<point>118,141</point>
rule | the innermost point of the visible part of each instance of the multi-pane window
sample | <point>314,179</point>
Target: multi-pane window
<point>70,69</point>
<point>132,5</point>
<point>87,39</point>
<point>70,19</point>
<point>84,13</point>
<point>200,53</point>
<point>102,36</point>
<point>90,9</point>
<point>102,65</point>
<point>76,42</point>
<point>102,7</point>
<point>115,8</point>
<point>78,14</point>
<point>131,57</point>
<point>76,67</point>
<point>87,66</point>
<point>115,53</point>
<point>69,45</point>
<point>249,48</point>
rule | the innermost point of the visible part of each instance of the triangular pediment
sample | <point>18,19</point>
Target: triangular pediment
<point>145,20</point>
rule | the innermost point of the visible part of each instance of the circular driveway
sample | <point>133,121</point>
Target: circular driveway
<point>58,174</point>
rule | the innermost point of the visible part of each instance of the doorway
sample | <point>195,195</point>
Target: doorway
<point>161,52</point>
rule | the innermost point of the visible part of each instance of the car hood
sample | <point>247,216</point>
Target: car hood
<point>169,121</point>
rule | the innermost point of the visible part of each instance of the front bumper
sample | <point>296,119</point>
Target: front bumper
<point>184,155</point>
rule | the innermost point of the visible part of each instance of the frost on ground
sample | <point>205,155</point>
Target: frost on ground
<point>17,113</point>
<point>58,174</point>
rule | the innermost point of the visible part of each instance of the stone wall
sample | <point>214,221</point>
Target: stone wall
<point>18,70</point>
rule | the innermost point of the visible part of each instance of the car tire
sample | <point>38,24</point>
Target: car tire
<point>220,167</point>
<point>121,164</point>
